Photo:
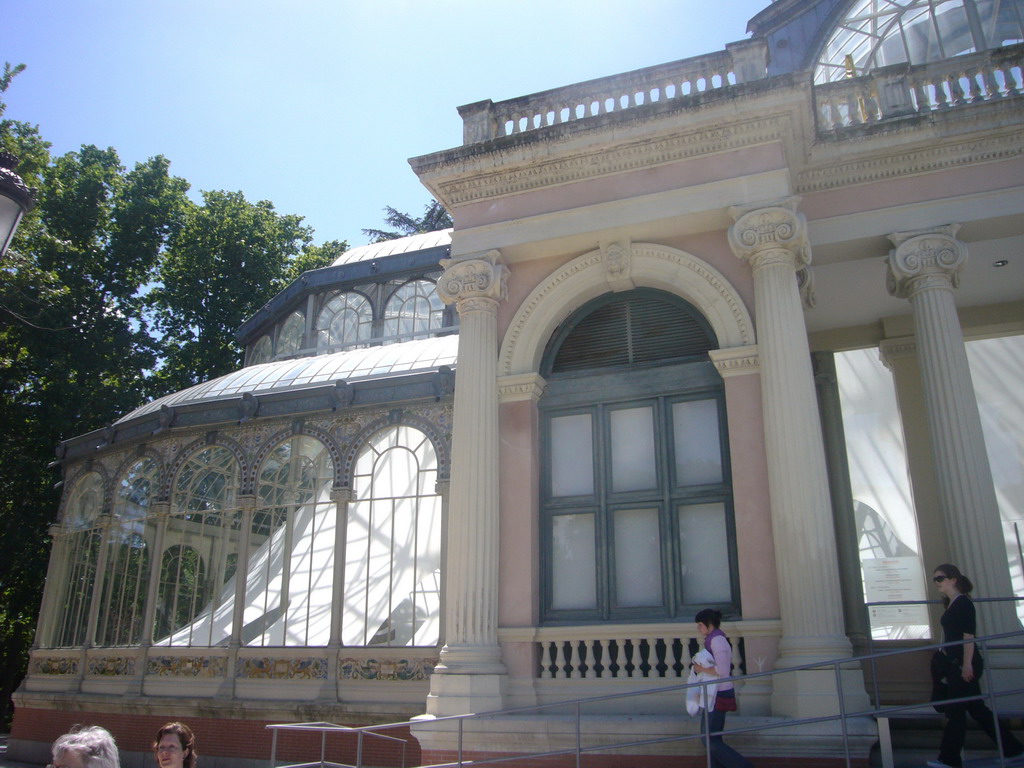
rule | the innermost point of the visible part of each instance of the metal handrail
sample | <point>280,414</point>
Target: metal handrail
<point>324,729</point>
<point>876,697</point>
<point>875,711</point>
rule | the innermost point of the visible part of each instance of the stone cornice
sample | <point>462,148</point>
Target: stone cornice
<point>736,361</point>
<point>891,350</point>
<point>928,158</point>
<point>605,160</point>
<point>519,387</point>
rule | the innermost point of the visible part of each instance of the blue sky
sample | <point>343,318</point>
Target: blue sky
<point>316,105</point>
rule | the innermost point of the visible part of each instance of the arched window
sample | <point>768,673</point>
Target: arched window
<point>182,590</point>
<point>289,341</point>
<point>412,310</point>
<point>393,549</point>
<point>291,561</point>
<point>877,33</point>
<point>262,351</point>
<point>346,319</point>
<point>196,594</point>
<point>636,498</point>
<point>82,547</point>
<point>127,567</point>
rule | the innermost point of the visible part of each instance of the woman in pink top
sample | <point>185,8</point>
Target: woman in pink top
<point>709,622</point>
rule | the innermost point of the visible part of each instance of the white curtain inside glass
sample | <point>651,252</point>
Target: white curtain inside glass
<point>637,558</point>
<point>574,562</point>
<point>698,447</point>
<point>704,546</point>
<point>572,455</point>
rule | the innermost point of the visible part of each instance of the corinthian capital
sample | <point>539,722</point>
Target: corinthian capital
<point>484,277</point>
<point>770,233</point>
<point>927,258</point>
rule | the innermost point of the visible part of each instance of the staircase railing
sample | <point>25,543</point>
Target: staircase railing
<point>843,716</point>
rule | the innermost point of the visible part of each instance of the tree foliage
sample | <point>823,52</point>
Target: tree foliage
<point>117,288</point>
<point>434,217</point>
<point>228,259</point>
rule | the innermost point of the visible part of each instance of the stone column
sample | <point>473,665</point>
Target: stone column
<point>471,676</point>
<point>772,237</point>
<point>925,267</point>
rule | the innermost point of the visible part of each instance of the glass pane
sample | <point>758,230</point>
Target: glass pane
<point>573,562</point>
<point>572,451</point>
<point>633,459</point>
<point>637,558</point>
<point>704,548</point>
<point>697,444</point>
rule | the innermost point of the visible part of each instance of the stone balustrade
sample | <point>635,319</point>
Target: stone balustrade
<point>678,80</point>
<point>899,90</point>
<point>633,651</point>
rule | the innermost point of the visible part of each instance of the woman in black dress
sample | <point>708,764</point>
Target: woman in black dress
<point>959,622</point>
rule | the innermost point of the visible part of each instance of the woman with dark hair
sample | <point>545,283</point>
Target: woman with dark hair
<point>175,746</point>
<point>963,668</point>
<point>709,623</point>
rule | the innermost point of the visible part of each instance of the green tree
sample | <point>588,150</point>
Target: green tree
<point>74,347</point>
<point>434,217</point>
<point>314,257</point>
<point>226,261</point>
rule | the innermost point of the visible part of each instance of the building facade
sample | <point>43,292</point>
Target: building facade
<point>504,465</point>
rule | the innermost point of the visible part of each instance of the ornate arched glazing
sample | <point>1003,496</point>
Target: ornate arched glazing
<point>195,596</point>
<point>289,341</point>
<point>393,549</point>
<point>412,310</point>
<point>81,539</point>
<point>346,319</point>
<point>877,33</point>
<point>291,547</point>
<point>130,536</point>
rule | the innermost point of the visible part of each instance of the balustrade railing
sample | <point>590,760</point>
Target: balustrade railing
<point>902,90</point>
<point>740,62</point>
<point>630,651</point>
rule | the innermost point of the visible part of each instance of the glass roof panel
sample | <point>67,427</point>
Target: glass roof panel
<point>877,33</point>
<point>349,365</point>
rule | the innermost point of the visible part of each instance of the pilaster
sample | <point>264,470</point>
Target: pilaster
<point>772,237</point>
<point>471,676</point>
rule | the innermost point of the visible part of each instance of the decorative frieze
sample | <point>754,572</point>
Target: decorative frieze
<point>111,666</point>
<point>54,665</point>
<point>187,666</point>
<point>611,160</point>
<point>386,669</point>
<point>268,668</point>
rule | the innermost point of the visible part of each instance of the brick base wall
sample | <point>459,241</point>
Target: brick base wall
<point>215,737</point>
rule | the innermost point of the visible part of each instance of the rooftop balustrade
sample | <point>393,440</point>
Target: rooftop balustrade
<point>901,90</point>
<point>739,62</point>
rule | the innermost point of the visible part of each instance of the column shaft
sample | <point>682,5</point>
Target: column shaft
<point>925,268</point>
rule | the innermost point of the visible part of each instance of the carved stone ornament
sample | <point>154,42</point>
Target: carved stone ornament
<point>618,264</point>
<point>770,232</point>
<point>484,277</point>
<point>925,259</point>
